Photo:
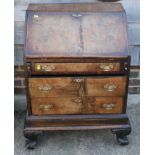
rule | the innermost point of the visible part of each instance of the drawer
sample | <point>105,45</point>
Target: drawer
<point>77,105</point>
<point>61,105</point>
<point>106,86</point>
<point>104,105</point>
<point>75,68</point>
<point>52,87</point>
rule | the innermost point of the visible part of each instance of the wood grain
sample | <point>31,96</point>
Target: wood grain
<point>96,86</point>
<point>133,32</point>
<point>99,105</point>
<point>74,68</point>
<point>57,87</point>
<point>78,7</point>
<point>76,105</point>
<point>59,105</point>
<point>134,51</point>
<point>132,7</point>
<point>96,39</point>
<point>81,35</point>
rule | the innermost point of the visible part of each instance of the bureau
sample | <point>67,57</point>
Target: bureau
<point>76,69</point>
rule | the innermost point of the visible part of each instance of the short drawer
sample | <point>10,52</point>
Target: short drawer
<point>106,86</point>
<point>104,105</point>
<point>61,105</point>
<point>52,87</point>
<point>78,68</point>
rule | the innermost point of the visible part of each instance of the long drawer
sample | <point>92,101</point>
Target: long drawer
<point>77,68</point>
<point>82,86</point>
<point>77,105</point>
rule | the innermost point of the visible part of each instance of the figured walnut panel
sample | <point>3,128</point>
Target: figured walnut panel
<point>107,86</point>
<point>104,34</point>
<point>104,105</point>
<point>51,87</point>
<point>56,105</point>
<point>72,34</point>
<point>52,34</point>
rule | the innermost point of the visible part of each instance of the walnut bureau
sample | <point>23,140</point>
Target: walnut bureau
<point>76,69</point>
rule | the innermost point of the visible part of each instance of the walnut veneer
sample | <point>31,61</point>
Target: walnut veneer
<point>76,69</point>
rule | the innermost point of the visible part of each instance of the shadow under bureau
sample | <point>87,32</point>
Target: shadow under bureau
<point>76,69</point>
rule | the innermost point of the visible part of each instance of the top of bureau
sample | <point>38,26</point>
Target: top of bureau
<point>76,7</point>
<point>76,30</point>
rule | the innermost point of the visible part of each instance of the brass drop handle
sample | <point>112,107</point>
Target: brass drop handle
<point>110,87</point>
<point>46,107</point>
<point>44,68</point>
<point>77,100</point>
<point>48,68</point>
<point>108,106</point>
<point>44,88</point>
<point>106,67</point>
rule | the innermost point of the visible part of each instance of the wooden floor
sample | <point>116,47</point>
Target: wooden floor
<point>96,142</point>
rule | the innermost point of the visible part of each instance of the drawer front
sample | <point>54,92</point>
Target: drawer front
<point>106,86</point>
<point>104,105</point>
<point>76,105</point>
<point>78,68</point>
<point>61,105</point>
<point>52,87</point>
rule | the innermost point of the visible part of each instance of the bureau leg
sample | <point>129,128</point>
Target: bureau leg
<point>31,139</point>
<point>121,135</point>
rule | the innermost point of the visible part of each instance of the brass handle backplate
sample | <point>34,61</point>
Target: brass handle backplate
<point>110,87</point>
<point>46,107</point>
<point>106,67</point>
<point>44,88</point>
<point>44,68</point>
<point>108,106</point>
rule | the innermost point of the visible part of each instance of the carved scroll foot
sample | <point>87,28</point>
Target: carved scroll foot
<point>121,135</point>
<point>30,144</point>
<point>31,139</point>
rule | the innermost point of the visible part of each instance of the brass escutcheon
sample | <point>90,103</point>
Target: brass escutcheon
<point>38,67</point>
<point>110,87</point>
<point>106,67</point>
<point>78,80</point>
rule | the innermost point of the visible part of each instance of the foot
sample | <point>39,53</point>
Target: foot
<point>30,144</point>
